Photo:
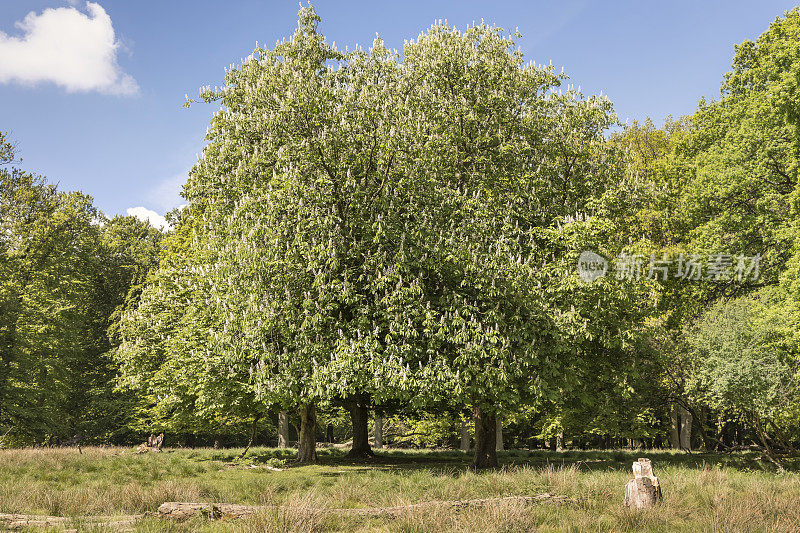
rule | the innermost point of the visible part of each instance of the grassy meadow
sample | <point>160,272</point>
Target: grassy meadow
<point>702,492</point>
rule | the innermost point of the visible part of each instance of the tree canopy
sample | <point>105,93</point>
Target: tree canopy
<point>400,232</point>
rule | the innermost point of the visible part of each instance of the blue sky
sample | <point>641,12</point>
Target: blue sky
<point>93,93</point>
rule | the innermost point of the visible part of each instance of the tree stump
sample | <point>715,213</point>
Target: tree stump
<point>643,491</point>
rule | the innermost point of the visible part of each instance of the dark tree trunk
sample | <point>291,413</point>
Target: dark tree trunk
<point>359,415</point>
<point>485,440</point>
<point>307,441</point>
<point>329,434</point>
<point>720,435</point>
<point>252,435</point>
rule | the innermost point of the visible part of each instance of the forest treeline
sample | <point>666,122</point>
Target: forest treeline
<point>400,235</point>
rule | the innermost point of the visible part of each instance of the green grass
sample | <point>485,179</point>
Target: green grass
<point>702,492</point>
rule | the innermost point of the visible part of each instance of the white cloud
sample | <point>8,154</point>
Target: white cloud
<point>146,215</point>
<point>166,195</point>
<point>65,46</point>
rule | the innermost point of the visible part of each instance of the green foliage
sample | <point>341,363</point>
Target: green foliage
<point>65,270</point>
<point>362,226</point>
<point>403,228</point>
<point>6,149</point>
<point>166,360</point>
<point>741,187</point>
<point>723,181</point>
<point>746,367</point>
<point>426,430</point>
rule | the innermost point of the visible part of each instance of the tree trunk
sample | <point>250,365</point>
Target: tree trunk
<point>720,432</point>
<point>359,415</point>
<point>701,427</point>
<point>378,431</point>
<point>674,435</point>
<point>686,429</point>
<point>485,440</point>
<point>560,442</point>
<point>283,429</point>
<point>307,445</point>
<point>464,437</point>
<point>252,435</point>
<point>499,435</point>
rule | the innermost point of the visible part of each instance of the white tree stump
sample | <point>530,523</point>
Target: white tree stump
<point>643,491</point>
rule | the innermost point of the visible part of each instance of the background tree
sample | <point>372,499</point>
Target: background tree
<point>747,365</point>
<point>178,380</point>
<point>65,272</point>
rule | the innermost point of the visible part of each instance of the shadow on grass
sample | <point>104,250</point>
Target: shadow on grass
<point>455,461</point>
<point>622,459</point>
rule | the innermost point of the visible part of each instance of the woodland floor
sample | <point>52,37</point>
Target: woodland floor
<point>702,492</point>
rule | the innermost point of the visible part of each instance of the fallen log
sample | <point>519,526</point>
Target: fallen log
<point>452,504</point>
<point>184,510</point>
<point>23,521</point>
<point>216,511</point>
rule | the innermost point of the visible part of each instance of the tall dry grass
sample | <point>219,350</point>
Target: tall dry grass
<point>701,493</point>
